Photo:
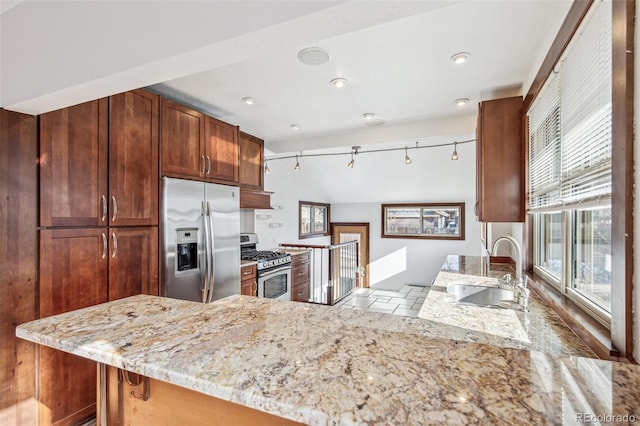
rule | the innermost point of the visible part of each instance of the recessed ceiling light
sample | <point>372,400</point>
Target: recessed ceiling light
<point>368,115</point>
<point>339,82</point>
<point>460,58</point>
<point>461,101</point>
<point>313,56</point>
<point>295,126</point>
<point>374,122</point>
<point>248,100</point>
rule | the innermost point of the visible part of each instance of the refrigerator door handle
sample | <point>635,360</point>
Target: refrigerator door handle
<point>213,253</point>
<point>205,235</point>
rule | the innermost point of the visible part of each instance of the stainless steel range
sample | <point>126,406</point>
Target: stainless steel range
<point>273,267</point>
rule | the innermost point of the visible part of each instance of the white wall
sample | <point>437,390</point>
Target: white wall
<point>355,195</point>
<point>394,261</point>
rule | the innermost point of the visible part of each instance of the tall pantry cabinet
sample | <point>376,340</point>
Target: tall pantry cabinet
<point>18,249</point>
<point>98,227</point>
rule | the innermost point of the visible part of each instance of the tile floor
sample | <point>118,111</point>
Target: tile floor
<point>407,301</point>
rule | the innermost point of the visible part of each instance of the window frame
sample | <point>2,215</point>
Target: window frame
<point>312,232</point>
<point>568,205</point>
<point>565,284</point>
<point>460,235</point>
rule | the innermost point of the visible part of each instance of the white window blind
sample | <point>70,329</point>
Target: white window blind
<point>585,92</point>
<point>570,121</point>
<point>544,147</point>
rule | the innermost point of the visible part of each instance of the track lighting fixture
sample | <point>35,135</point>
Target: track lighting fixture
<point>355,150</point>
<point>297,166</point>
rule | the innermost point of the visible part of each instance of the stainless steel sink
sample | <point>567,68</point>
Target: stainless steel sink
<point>467,294</point>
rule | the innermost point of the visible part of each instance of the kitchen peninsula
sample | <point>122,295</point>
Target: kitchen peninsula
<point>322,365</point>
<point>539,329</point>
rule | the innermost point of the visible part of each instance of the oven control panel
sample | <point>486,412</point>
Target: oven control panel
<point>266,264</point>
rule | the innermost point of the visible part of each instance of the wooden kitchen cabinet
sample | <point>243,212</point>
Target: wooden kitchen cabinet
<point>500,158</point>
<point>249,280</point>
<point>252,194</point>
<point>251,162</point>
<point>83,147</point>
<point>18,280</point>
<point>81,268</point>
<point>133,262</point>
<point>73,165</point>
<point>182,140</point>
<point>300,276</point>
<point>133,158</point>
<point>73,275</point>
<point>221,150</point>
<point>196,146</point>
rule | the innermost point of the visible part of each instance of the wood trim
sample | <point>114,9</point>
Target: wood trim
<point>574,17</point>
<point>304,246</point>
<point>622,176</point>
<point>366,248</point>
<point>424,236</point>
<point>302,236</point>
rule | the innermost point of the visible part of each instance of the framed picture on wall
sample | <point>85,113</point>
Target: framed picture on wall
<point>436,221</point>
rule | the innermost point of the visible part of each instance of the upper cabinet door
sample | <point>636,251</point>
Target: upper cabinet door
<point>500,161</point>
<point>73,165</point>
<point>182,139</point>
<point>221,151</point>
<point>133,158</point>
<point>251,162</point>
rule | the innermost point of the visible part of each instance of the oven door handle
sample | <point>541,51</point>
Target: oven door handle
<point>274,271</point>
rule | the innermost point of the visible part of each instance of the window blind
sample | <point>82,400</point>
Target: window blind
<point>570,121</point>
<point>585,94</point>
<point>544,147</point>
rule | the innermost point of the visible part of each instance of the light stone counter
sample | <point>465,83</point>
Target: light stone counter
<point>539,329</point>
<point>324,365</point>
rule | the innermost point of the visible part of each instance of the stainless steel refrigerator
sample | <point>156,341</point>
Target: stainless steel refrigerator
<point>201,240</point>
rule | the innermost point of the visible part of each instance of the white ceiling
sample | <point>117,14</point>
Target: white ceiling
<point>395,55</point>
<point>400,70</point>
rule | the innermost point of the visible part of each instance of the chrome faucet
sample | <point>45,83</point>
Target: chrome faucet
<point>518,285</point>
<point>518,259</point>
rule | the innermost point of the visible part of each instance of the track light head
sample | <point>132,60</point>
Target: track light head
<point>454,156</point>
<point>407,159</point>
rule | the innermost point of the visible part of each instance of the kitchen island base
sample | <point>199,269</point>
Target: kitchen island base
<point>121,402</point>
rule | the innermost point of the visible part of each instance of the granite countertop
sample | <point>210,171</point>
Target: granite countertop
<point>539,329</point>
<point>323,365</point>
<point>244,263</point>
